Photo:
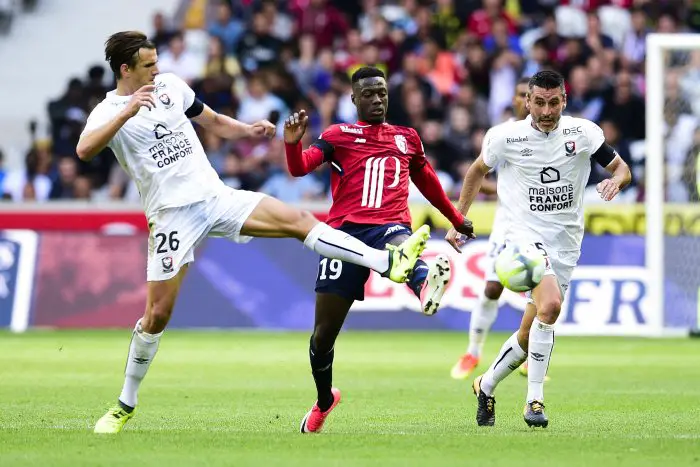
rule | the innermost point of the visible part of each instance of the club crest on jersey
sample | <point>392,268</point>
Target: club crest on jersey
<point>401,143</point>
<point>570,147</point>
<point>167,264</point>
<point>165,100</point>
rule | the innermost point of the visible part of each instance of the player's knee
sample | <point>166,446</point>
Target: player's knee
<point>324,338</point>
<point>548,310</point>
<point>493,290</point>
<point>300,223</point>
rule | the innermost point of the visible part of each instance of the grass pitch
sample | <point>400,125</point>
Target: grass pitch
<point>235,398</point>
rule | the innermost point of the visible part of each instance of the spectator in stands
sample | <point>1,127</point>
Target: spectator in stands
<point>481,21</point>
<point>64,186</point>
<point>226,28</point>
<point>475,103</point>
<point>501,38</point>
<point>321,20</point>
<point>282,25</point>
<point>180,61</point>
<point>260,104</point>
<point>258,48</point>
<point>162,32</point>
<point>31,183</point>
<point>634,47</point>
<point>624,103</point>
<point>580,101</point>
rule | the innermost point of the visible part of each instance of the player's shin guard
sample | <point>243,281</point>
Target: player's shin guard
<point>327,241</point>
<point>142,350</point>
<point>540,351</point>
<point>482,319</point>
<point>509,358</point>
<point>322,371</point>
<point>417,277</point>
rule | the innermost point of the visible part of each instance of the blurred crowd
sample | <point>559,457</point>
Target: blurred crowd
<point>452,66</point>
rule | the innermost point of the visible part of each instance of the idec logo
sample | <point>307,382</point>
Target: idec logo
<point>468,270</point>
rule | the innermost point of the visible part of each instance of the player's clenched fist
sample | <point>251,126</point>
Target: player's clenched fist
<point>142,98</point>
<point>263,128</point>
<point>295,126</point>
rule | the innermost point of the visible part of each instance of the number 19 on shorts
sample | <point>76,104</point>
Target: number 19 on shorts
<point>330,269</point>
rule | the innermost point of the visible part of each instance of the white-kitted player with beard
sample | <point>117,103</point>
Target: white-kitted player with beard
<point>146,123</point>
<point>543,163</point>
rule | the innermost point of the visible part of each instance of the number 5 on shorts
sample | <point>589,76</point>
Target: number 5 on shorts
<point>171,239</point>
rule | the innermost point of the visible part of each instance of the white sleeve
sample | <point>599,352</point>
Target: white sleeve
<point>490,149</point>
<point>595,135</point>
<point>99,116</point>
<point>184,89</point>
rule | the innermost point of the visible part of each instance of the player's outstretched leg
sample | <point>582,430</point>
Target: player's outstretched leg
<point>274,219</point>
<point>142,349</point>
<point>331,310</point>
<point>547,296</point>
<point>482,319</point>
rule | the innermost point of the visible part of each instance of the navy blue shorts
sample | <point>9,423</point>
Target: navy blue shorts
<point>347,279</point>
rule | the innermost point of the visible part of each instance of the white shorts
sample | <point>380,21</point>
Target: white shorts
<point>560,264</point>
<point>176,232</point>
<point>496,244</point>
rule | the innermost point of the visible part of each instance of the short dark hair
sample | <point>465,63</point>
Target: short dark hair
<point>523,80</point>
<point>367,72</point>
<point>547,79</point>
<point>122,48</point>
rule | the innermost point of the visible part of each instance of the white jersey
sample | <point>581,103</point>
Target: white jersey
<point>500,220</point>
<point>159,148</point>
<point>541,178</point>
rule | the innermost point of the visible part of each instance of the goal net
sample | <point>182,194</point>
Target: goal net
<point>672,179</point>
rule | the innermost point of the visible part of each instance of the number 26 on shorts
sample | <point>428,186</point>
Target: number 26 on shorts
<point>167,242</point>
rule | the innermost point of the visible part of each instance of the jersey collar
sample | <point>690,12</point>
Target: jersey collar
<point>362,124</point>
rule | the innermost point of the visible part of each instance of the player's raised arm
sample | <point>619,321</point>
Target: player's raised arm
<point>470,188</point>
<point>302,162</point>
<point>230,128</point>
<point>92,141</point>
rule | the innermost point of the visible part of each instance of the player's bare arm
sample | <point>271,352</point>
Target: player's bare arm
<point>470,188</point>
<point>427,182</point>
<point>92,143</point>
<point>226,127</point>
<point>621,177</point>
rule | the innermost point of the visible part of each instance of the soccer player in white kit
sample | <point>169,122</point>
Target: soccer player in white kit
<point>145,121</point>
<point>544,163</point>
<point>486,309</point>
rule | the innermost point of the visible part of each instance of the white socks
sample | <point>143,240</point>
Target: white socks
<point>510,357</point>
<point>483,316</point>
<point>332,243</point>
<point>142,349</point>
<point>540,351</point>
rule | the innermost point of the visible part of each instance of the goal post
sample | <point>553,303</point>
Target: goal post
<point>673,275</point>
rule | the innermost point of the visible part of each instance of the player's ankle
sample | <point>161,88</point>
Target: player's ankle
<point>325,400</point>
<point>124,407</point>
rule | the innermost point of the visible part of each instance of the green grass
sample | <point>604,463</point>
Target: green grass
<point>217,398</point>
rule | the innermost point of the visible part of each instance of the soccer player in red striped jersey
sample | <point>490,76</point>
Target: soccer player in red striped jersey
<point>372,162</point>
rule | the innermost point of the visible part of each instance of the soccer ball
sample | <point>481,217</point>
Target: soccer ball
<point>520,267</point>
